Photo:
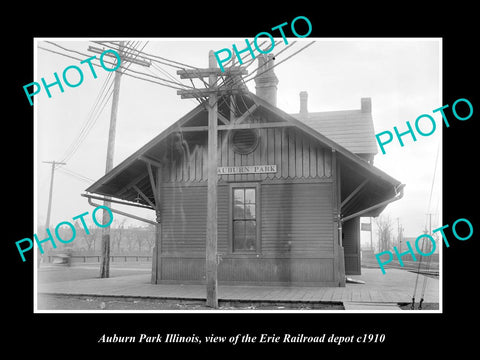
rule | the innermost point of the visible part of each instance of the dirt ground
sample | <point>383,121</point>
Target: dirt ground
<point>425,306</point>
<point>71,302</point>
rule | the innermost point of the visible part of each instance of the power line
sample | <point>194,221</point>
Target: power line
<point>94,114</point>
<point>75,174</point>
<point>278,63</point>
<point>180,86</point>
<point>240,79</point>
<point>64,48</point>
<point>154,57</point>
<point>433,178</point>
<point>127,69</point>
<point>245,66</point>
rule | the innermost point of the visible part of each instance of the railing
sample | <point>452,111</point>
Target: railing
<point>113,258</point>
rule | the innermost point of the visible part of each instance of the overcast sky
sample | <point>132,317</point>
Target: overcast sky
<point>401,76</point>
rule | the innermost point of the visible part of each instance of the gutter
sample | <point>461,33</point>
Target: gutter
<point>398,195</point>
<point>90,197</point>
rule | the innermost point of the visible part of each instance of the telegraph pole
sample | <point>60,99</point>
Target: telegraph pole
<point>47,222</point>
<point>211,245</point>
<point>105,260</point>
<point>213,92</point>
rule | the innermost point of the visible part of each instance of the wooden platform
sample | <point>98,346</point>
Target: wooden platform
<point>380,292</point>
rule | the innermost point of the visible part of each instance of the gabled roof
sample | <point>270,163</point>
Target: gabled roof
<point>353,129</point>
<point>119,182</point>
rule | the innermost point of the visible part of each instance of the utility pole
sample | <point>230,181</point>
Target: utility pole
<point>211,245</point>
<point>47,222</point>
<point>213,92</point>
<point>399,234</point>
<point>430,225</point>
<point>105,259</point>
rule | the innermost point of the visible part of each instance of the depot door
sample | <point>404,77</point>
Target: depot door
<point>351,246</point>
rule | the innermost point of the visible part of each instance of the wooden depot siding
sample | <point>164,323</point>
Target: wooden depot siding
<point>296,241</point>
<point>295,155</point>
<point>184,219</point>
<point>297,218</point>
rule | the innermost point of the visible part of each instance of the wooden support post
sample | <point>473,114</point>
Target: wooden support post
<point>337,223</point>
<point>158,228</point>
<point>157,248</point>
<point>211,241</point>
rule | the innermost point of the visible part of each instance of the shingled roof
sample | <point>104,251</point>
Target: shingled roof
<point>352,129</point>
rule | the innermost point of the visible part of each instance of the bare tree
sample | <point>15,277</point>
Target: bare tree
<point>90,239</point>
<point>118,233</point>
<point>384,232</point>
<point>150,236</point>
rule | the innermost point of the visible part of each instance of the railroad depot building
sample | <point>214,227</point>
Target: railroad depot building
<point>291,190</point>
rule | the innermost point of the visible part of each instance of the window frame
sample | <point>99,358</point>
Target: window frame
<point>244,185</point>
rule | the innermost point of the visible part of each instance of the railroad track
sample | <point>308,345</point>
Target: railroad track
<point>408,266</point>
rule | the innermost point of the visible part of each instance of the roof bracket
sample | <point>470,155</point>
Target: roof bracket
<point>398,196</point>
<point>354,192</point>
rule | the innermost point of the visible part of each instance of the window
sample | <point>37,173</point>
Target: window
<point>244,229</point>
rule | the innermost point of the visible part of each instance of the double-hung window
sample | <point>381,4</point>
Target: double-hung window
<point>244,222</point>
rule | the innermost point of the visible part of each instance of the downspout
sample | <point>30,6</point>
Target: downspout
<point>118,211</point>
<point>398,196</point>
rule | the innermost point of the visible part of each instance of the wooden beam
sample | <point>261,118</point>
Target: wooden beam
<point>202,73</point>
<point>219,91</point>
<point>255,126</point>
<point>140,192</point>
<point>223,119</point>
<point>354,192</point>
<point>193,128</point>
<point>152,183</point>
<point>150,161</point>
<point>127,187</point>
<point>247,113</point>
<point>239,126</point>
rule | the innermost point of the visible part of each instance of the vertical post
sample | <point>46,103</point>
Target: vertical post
<point>232,97</point>
<point>211,241</point>
<point>371,234</point>
<point>157,249</point>
<point>47,223</point>
<point>339,254</point>
<point>105,261</point>
<point>49,208</point>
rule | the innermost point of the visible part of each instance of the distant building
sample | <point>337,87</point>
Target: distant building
<point>291,190</point>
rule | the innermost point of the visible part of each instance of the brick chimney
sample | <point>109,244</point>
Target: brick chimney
<point>303,104</point>
<point>266,81</point>
<point>366,105</point>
